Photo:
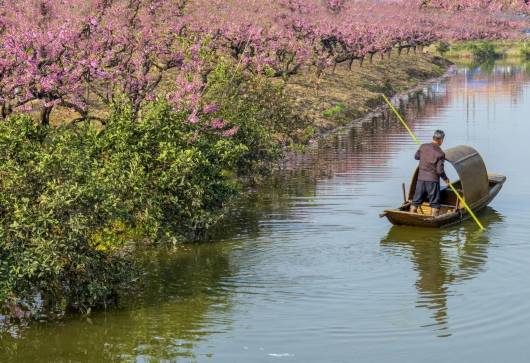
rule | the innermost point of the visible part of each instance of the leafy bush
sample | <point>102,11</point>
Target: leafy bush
<point>72,197</point>
<point>52,198</point>
<point>525,53</point>
<point>258,104</point>
<point>482,50</point>
<point>443,47</point>
<point>63,193</point>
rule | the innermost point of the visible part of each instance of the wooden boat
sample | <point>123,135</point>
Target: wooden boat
<point>476,186</point>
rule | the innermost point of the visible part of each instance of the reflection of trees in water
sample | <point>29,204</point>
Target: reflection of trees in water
<point>443,258</point>
<point>164,319</point>
<point>489,68</point>
<point>274,200</point>
<point>487,81</point>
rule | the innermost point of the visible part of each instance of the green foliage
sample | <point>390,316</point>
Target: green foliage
<point>258,104</point>
<point>482,50</point>
<point>443,47</point>
<point>170,181</point>
<point>52,198</point>
<point>525,52</point>
<point>333,111</point>
<point>72,197</point>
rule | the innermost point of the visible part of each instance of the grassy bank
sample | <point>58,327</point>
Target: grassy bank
<point>497,49</point>
<point>344,95</point>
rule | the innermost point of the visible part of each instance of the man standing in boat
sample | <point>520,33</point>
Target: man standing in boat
<point>432,160</point>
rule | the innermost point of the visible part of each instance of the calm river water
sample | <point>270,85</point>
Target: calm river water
<point>313,274</point>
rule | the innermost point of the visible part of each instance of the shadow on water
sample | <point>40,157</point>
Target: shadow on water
<point>443,258</point>
<point>163,320</point>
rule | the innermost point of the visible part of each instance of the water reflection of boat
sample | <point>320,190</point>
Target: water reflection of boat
<point>478,189</point>
<point>442,259</point>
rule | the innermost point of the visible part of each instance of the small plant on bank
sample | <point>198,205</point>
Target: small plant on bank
<point>525,53</point>
<point>333,111</point>
<point>443,47</point>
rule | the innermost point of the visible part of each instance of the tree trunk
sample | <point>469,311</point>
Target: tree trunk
<point>408,50</point>
<point>318,74</point>
<point>400,49</point>
<point>382,55</point>
<point>334,68</point>
<point>45,115</point>
<point>414,49</point>
<point>350,63</point>
<point>6,111</point>
<point>361,61</point>
<point>370,57</point>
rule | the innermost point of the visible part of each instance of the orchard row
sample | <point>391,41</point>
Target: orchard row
<point>62,52</point>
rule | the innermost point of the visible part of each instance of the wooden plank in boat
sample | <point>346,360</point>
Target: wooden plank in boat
<point>496,179</point>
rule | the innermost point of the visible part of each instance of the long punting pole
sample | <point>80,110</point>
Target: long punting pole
<point>419,144</point>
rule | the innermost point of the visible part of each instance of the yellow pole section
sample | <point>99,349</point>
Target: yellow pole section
<point>419,144</point>
<point>465,205</point>
<point>404,124</point>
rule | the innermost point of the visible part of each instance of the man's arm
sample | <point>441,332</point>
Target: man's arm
<point>440,169</point>
<point>417,156</point>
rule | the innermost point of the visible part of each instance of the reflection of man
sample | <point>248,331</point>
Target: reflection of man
<point>432,160</point>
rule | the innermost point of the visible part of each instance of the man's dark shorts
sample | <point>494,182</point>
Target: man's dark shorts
<point>430,189</point>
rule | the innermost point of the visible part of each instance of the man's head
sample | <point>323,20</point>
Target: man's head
<point>438,137</point>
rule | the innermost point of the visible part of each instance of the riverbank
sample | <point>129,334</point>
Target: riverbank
<point>501,49</point>
<point>345,95</point>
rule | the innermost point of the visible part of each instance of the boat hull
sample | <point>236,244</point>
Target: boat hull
<point>402,217</point>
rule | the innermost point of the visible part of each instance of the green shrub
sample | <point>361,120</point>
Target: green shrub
<point>443,47</point>
<point>67,195</point>
<point>258,104</point>
<point>482,50</point>
<point>525,53</point>
<point>52,199</point>
<point>72,197</point>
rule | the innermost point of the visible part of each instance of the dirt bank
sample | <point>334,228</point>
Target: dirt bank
<point>344,95</point>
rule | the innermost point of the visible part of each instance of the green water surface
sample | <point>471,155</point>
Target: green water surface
<point>304,270</point>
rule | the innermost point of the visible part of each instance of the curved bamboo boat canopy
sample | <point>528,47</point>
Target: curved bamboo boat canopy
<point>470,169</point>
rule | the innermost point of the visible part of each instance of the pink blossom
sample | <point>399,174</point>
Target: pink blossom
<point>218,123</point>
<point>52,51</point>
<point>210,108</point>
<point>229,132</point>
